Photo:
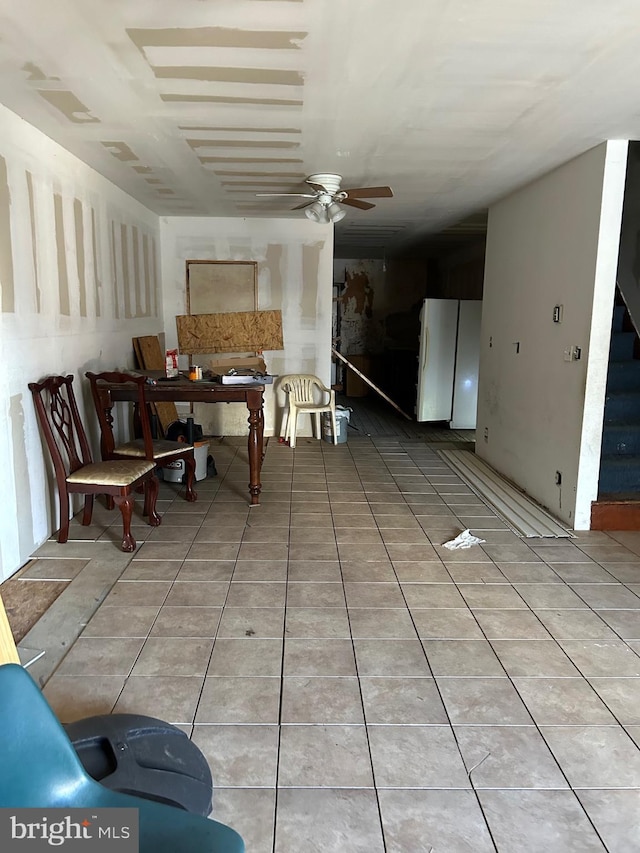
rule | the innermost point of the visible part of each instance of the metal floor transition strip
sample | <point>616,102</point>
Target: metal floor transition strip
<point>517,510</point>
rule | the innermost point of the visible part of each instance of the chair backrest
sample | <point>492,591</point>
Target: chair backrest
<point>303,388</point>
<point>38,759</point>
<point>61,424</point>
<point>103,404</point>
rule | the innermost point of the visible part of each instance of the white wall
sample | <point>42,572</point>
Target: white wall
<point>79,279</point>
<point>294,259</point>
<point>554,242</point>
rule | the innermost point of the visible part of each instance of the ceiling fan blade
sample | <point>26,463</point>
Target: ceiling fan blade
<point>371,192</point>
<point>281,195</point>
<point>355,202</point>
<point>300,206</point>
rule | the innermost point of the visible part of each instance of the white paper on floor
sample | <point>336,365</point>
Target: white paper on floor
<point>464,540</point>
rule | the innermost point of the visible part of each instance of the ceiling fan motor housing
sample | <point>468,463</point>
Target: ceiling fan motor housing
<point>331,183</point>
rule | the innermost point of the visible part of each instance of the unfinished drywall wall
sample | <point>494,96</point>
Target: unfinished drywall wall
<point>79,278</point>
<point>554,242</point>
<point>294,258</point>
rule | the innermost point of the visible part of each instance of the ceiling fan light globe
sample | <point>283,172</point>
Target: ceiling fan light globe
<point>335,212</point>
<point>317,212</point>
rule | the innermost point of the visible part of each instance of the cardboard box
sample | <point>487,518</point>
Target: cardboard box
<point>223,365</point>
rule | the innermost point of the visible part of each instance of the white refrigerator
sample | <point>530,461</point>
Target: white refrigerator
<point>448,361</point>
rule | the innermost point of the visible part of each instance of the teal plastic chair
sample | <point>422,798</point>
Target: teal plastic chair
<point>39,768</point>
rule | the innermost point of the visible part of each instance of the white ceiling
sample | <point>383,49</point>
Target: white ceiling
<point>192,106</point>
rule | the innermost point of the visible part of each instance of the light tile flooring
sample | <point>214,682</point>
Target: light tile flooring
<point>354,685</point>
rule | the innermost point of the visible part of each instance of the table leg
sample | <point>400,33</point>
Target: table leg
<point>256,429</point>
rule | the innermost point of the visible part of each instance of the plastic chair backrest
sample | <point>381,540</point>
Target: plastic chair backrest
<point>39,768</point>
<point>39,765</point>
<point>301,388</point>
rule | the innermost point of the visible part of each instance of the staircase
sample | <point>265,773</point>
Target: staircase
<point>618,504</point>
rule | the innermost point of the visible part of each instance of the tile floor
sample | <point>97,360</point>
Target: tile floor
<point>354,685</point>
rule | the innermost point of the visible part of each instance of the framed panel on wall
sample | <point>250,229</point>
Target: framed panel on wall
<point>218,287</point>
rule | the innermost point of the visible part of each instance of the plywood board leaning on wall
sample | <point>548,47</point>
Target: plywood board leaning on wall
<point>239,331</point>
<point>150,357</point>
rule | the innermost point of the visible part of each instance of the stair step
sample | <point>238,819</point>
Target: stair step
<point>621,439</point>
<point>619,474</point>
<point>622,346</point>
<point>618,317</point>
<point>610,514</point>
<point>622,408</point>
<point>623,376</point>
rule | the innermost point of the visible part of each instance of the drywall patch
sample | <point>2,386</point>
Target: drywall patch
<point>71,107</point>
<point>154,274</point>
<point>228,99</point>
<point>137,279</point>
<point>114,272</point>
<point>34,240</point>
<point>249,174</point>
<point>242,143</point>
<point>6,256</point>
<point>274,265</point>
<point>146,273</point>
<point>63,271</point>
<point>34,72</point>
<point>221,129</point>
<point>80,259</point>
<point>217,74</point>
<point>120,150</point>
<point>126,274</point>
<point>96,265</point>
<point>310,268</point>
<point>215,37</point>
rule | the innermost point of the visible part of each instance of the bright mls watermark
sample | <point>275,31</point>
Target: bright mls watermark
<point>37,830</point>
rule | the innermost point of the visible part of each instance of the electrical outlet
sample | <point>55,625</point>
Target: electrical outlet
<point>558,478</point>
<point>557,314</point>
<point>573,353</point>
<point>486,434</point>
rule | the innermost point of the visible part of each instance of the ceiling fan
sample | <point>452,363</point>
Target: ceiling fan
<point>326,197</point>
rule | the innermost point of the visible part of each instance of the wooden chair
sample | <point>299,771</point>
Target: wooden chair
<point>306,395</point>
<point>75,471</point>
<point>160,451</point>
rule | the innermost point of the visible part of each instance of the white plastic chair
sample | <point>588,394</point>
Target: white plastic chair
<point>306,395</point>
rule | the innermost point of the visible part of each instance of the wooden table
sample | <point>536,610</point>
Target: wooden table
<point>183,391</point>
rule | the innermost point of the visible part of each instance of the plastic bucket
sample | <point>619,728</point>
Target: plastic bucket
<point>174,472</point>
<point>342,421</point>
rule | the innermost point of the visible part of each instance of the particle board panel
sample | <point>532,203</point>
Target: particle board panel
<point>237,331</point>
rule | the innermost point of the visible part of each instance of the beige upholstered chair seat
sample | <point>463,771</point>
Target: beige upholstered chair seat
<point>161,448</point>
<point>113,473</point>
